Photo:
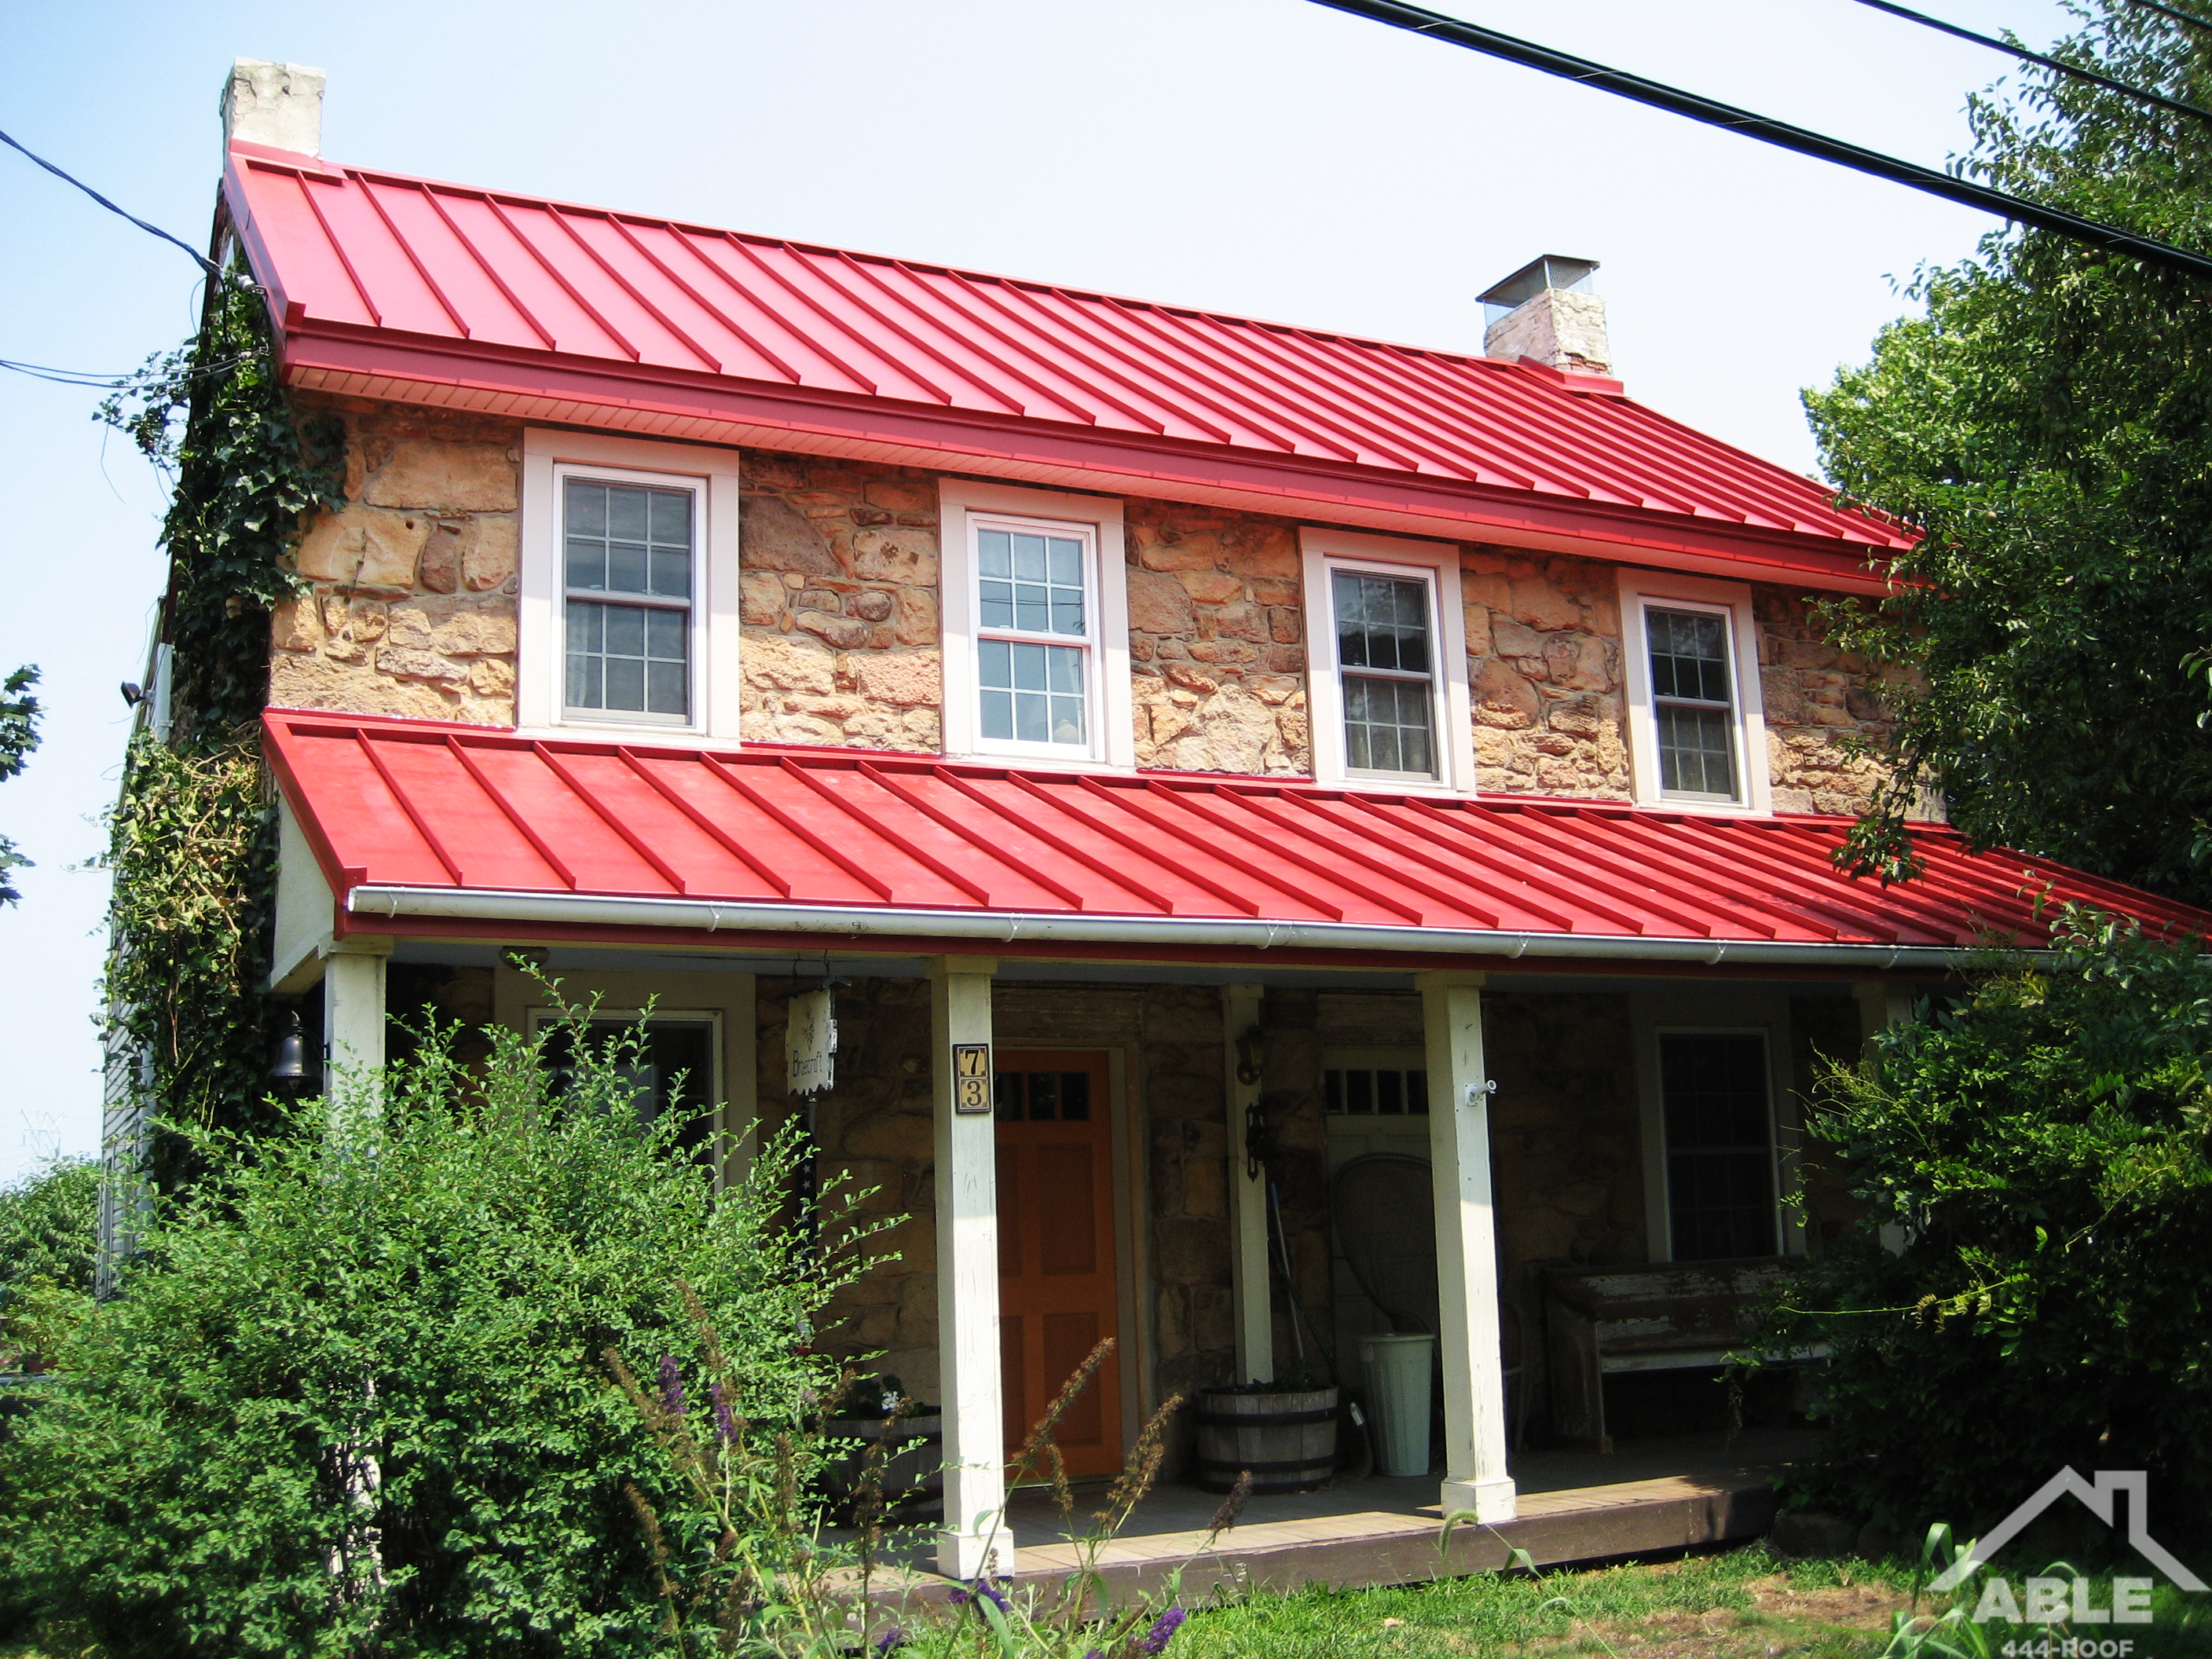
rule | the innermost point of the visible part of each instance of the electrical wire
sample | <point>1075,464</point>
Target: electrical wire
<point>109,382</point>
<point>2058,64</point>
<point>2178,17</point>
<point>1781,134</point>
<point>198,258</point>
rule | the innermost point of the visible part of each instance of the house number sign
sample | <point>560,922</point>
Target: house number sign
<point>971,1078</point>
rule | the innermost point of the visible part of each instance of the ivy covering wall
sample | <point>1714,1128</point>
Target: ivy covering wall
<point>192,835</point>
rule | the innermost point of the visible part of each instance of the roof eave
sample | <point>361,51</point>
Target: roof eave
<point>548,387</point>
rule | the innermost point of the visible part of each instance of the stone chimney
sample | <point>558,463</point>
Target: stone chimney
<point>1548,310</point>
<point>279,105</point>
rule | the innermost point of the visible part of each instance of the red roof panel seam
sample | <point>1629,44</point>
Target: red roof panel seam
<point>407,248</point>
<point>860,271</point>
<point>880,829</point>
<point>790,821</point>
<point>622,229</point>
<point>920,803</point>
<point>867,385</point>
<point>1139,806</point>
<point>491,271</point>
<point>712,362</point>
<point>1462,841</point>
<point>638,844</point>
<point>337,248</point>
<point>560,277</point>
<point>559,865</point>
<point>1206,805</point>
<point>977,318</point>
<point>872,347</point>
<point>405,802</point>
<point>1072,810</point>
<point>729,842</point>
<point>1117,873</point>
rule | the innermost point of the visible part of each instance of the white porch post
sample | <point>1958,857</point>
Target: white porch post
<point>353,1008</point>
<point>1247,1200</point>
<point>967,1274</point>
<point>1466,1249</point>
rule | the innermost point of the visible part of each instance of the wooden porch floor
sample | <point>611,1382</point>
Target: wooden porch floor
<point>1647,1497</point>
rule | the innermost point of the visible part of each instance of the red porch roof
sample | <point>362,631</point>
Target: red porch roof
<point>403,288</point>
<point>424,821</point>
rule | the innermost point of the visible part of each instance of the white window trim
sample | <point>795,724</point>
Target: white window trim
<point>1113,719</point>
<point>1764,1015</point>
<point>541,659</point>
<point>1643,589</point>
<point>1326,551</point>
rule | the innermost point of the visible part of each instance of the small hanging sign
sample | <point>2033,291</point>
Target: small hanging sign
<point>810,1042</point>
<point>971,1078</point>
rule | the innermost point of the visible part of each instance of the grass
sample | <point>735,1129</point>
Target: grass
<point>1744,1604</point>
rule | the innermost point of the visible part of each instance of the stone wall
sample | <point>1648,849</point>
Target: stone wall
<point>413,607</point>
<point>1816,697</point>
<point>839,603</point>
<point>1217,647</point>
<point>1543,647</point>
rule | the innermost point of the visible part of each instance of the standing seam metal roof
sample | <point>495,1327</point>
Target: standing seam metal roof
<point>418,805</point>
<point>347,251</point>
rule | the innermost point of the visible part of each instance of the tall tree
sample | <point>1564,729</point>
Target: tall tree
<point>19,736</point>
<point>2047,423</point>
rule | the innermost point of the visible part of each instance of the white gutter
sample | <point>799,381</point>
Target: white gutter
<point>1004,927</point>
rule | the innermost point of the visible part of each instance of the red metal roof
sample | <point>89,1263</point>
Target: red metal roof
<point>437,275</point>
<point>438,809</point>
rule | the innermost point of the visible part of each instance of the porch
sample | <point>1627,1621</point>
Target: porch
<point>1110,1045</point>
<point>1650,1498</point>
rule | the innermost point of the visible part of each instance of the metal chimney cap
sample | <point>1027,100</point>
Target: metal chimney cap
<point>1551,271</point>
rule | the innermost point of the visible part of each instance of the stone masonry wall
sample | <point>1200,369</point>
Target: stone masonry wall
<point>839,602</point>
<point>1543,647</point>
<point>1217,647</point>
<point>413,607</point>
<point>1816,696</point>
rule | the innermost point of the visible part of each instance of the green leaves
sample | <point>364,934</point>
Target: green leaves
<point>2040,1144</point>
<point>19,736</point>
<point>2047,423</point>
<point>351,1397</point>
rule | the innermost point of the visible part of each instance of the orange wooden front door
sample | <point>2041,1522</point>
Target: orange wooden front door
<point>1056,1292</point>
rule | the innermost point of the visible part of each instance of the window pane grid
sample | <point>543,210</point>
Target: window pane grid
<point>1374,1091</point>
<point>627,570</point>
<point>1033,689</point>
<point>1385,654</point>
<point>1693,709</point>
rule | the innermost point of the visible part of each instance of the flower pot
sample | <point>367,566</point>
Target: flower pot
<point>1286,1441</point>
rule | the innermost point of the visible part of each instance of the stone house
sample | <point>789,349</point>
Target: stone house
<point>1209,753</point>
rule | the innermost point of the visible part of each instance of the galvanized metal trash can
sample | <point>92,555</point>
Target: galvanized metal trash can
<point>1398,1388</point>
<point>1287,1441</point>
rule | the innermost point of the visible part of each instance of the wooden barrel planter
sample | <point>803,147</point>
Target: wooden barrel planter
<point>1288,1441</point>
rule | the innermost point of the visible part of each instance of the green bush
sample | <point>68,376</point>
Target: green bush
<point>48,1227</point>
<point>351,1396</point>
<point>2043,1144</point>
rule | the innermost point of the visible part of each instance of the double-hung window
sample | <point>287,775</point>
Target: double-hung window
<point>1697,735</point>
<point>1036,634</point>
<point>1387,657</point>
<point>629,553</point>
<point>1036,624</point>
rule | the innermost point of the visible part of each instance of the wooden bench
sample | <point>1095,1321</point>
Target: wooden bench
<point>1602,1322</point>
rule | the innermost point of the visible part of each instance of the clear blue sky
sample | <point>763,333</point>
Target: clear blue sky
<point>1260,156</point>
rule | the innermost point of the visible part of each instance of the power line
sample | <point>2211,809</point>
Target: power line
<point>2058,64</point>
<point>83,377</point>
<point>1712,113</point>
<point>198,258</point>
<point>2177,16</point>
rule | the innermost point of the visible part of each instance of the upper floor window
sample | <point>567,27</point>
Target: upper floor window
<point>1387,683</point>
<point>627,610</point>
<point>627,553</point>
<point>1697,735</point>
<point>1037,656</point>
<point>1386,652</point>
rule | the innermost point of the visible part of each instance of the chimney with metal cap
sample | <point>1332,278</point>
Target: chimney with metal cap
<point>279,105</point>
<point>1549,311</point>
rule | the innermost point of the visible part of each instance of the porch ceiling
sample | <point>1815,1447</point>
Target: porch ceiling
<point>419,825</point>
